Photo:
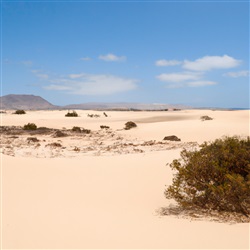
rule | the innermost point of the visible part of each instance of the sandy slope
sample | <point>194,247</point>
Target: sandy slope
<point>111,201</point>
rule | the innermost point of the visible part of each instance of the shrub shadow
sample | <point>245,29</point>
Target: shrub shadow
<point>194,213</point>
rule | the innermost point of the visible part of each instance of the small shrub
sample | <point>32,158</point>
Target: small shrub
<point>76,149</point>
<point>19,112</point>
<point>71,114</point>
<point>86,131</point>
<point>171,138</point>
<point>76,129</point>
<point>44,130</point>
<point>54,145</point>
<point>206,118</point>
<point>59,133</point>
<point>216,177</point>
<point>79,130</point>
<point>93,115</point>
<point>104,127</point>
<point>129,125</point>
<point>30,126</point>
<point>32,139</point>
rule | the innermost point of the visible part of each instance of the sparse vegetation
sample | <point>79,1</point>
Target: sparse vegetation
<point>171,138</point>
<point>30,126</point>
<point>104,127</point>
<point>76,149</point>
<point>54,145</point>
<point>206,118</point>
<point>32,139</point>
<point>76,129</point>
<point>19,112</point>
<point>217,177</point>
<point>93,115</point>
<point>129,125</point>
<point>71,114</point>
<point>86,131</point>
<point>59,133</point>
<point>81,130</point>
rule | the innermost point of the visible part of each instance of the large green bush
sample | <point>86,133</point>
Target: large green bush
<point>215,177</point>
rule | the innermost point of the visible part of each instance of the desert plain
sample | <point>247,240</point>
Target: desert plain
<point>104,189</point>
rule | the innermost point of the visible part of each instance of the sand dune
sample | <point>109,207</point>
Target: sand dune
<point>83,200</point>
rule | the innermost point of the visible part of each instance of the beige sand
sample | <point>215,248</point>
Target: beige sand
<point>79,200</point>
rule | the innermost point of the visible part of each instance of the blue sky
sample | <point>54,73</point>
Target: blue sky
<point>180,52</point>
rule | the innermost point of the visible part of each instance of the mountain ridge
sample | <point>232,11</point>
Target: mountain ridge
<point>33,102</point>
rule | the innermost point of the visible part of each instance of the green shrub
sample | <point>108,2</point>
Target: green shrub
<point>79,130</point>
<point>59,133</point>
<point>54,145</point>
<point>30,126</point>
<point>72,114</point>
<point>104,127</point>
<point>206,118</point>
<point>129,125</point>
<point>19,112</point>
<point>32,139</point>
<point>76,129</point>
<point>86,131</point>
<point>215,177</point>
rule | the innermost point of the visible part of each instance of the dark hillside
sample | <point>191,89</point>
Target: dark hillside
<point>26,102</point>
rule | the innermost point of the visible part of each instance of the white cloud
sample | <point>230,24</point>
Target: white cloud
<point>164,62</point>
<point>42,76</point>
<point>112,58</point>
<point>185,79</point>
<point>207,63</point>
<point>74,76</point>
<point>85,59</point>
<point>38,73</point>
<point>175,85</point>
<point>191,84</point>
<point>57,87</point>
<point>85,84</point>
<point>27,63</point>
<point>179,77</point>
<point>200,83</point>
<point>242,73</point>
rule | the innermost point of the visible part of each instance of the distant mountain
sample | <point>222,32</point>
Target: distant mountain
<point>26,102</point>
<point>124,106</point>
<point>32,102</point>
